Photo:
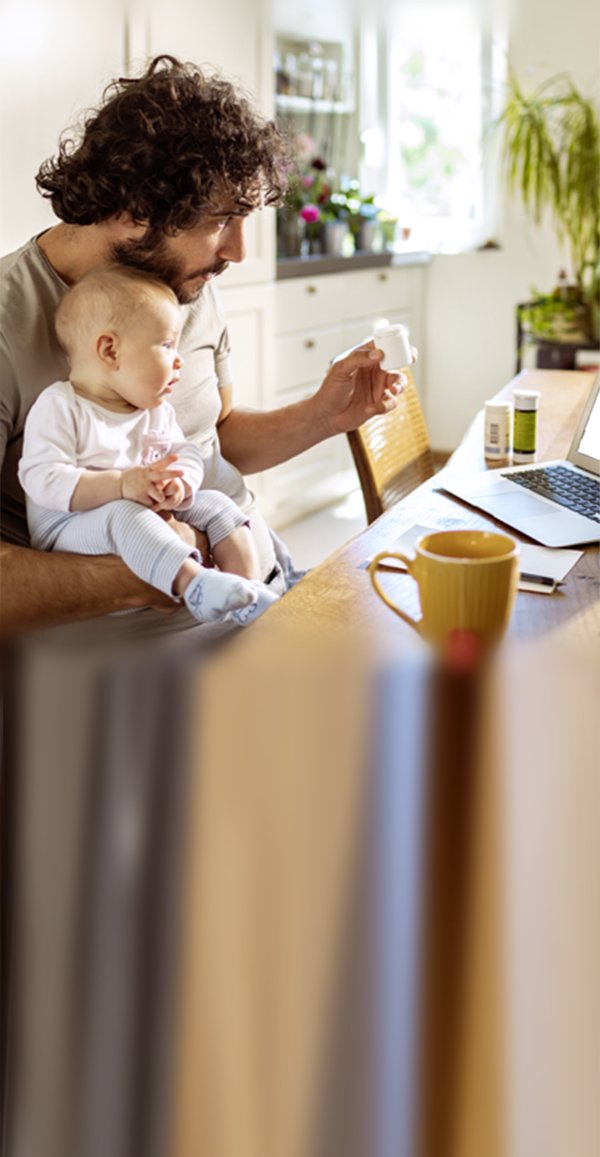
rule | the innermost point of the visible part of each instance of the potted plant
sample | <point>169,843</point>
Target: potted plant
<point>551,150</point>
<point>315,211</point>
<point>362,218</point>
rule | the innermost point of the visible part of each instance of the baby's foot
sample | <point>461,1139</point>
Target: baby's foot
<point>263,599</point>
<point>211,594</point>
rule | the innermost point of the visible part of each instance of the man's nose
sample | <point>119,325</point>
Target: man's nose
<point>233,246</point>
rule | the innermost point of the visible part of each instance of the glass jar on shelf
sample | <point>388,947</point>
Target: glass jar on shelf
<point>305,75</point>
<point>317,78</point>
<point>291,73</point>
<point>330,81</point>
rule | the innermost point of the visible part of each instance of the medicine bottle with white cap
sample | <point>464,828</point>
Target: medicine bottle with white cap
<point>393,340</point>
<point>525,425</point>
<point>497,433</point>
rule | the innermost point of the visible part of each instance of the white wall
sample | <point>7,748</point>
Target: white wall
<point>470,325</point>
<point>54,62</point>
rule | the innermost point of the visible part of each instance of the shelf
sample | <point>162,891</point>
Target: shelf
<point>312,77</point>
<point>306,104</point>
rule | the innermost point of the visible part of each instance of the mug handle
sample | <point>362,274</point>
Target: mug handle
<point>374,566</point>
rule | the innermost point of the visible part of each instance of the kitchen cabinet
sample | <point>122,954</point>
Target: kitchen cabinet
<point>316,318</point>
<point>249,312</point>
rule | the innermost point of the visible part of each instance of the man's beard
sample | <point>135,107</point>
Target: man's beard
<point>151,255</point>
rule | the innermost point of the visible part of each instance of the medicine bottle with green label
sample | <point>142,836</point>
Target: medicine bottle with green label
<point>525,425</point>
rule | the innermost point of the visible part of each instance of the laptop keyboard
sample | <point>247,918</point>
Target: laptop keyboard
<point>575,491</point>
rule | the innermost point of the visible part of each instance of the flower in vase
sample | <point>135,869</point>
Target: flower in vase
<point>310,213</point>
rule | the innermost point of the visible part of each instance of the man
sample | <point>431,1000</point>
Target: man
<point>162,179</point>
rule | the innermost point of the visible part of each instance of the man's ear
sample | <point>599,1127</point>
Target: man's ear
<point>107,348</point>
<point>128,225</point>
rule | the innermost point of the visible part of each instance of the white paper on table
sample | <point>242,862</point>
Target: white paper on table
<point>551,562</point>
<point>547,562</point>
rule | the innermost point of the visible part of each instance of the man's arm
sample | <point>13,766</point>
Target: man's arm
<point>43,589</point>
<point>354,389</point>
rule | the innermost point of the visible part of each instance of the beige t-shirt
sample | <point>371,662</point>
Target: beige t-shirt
<point>31,359</point>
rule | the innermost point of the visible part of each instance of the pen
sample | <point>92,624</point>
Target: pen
<point>540,580</point>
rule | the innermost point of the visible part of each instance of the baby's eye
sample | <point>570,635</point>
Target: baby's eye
<point>169,345</point>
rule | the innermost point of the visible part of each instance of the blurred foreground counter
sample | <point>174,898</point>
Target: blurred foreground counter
<point>390,937</point>
<point>312,897</point>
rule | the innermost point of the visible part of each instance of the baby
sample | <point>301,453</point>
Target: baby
<point>104,457</point>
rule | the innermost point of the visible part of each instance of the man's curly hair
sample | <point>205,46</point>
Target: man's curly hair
<point>163,147</point>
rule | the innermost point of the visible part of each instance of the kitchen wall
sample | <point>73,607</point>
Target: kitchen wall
<point>54,61</point>
<point>470,326</point>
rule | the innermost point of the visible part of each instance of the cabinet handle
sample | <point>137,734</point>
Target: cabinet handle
<point>382,276</point>
<point>310,343</point>
<point>311,288</point>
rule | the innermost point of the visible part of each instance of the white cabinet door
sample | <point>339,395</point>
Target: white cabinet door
<point>372,292</point>
<point>304,357</point>
<point>306,302</point>
<point>249,316</point>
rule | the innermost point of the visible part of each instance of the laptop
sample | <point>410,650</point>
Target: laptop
<point>555,503</point>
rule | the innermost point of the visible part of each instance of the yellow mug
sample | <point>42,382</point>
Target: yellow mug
<point>467,582</point>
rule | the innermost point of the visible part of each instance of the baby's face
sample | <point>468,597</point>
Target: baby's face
<point>149,362</point>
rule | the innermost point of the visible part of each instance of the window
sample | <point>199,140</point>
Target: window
<point>445,66</point>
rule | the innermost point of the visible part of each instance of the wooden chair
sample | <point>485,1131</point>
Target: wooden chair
<point>391,453</point>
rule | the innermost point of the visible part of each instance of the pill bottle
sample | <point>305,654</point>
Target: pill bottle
<point>525,425</point>
<point>497,432</point>
<point>394,341</point>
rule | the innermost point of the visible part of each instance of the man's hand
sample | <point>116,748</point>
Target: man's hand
<point>145,484</point>
<point>356,388</point>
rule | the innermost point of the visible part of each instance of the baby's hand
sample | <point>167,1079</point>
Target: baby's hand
<point>173,494</point>
<point>145,484</point>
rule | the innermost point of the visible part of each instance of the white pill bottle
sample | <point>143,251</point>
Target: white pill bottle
<point>394,341</point>
<point>497,434</point>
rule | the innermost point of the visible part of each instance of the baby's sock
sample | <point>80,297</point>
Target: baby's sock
<point>213,594</point>
<point>263,599</point>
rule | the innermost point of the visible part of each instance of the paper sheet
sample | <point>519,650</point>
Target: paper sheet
<point>551,563</point>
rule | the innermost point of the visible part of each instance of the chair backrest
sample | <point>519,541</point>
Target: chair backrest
<point>391,453</point>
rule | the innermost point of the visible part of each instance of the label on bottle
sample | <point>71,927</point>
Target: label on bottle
<point>496,446</point>
<point>524,432</point>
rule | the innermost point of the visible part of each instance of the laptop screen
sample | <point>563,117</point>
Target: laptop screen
<point>585,450</point>
<point>589,442</point>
